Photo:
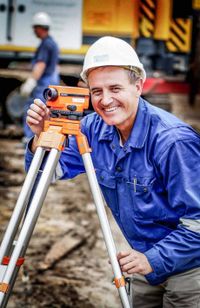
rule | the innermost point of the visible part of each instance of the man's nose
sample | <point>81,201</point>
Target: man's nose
<point>106,99</point>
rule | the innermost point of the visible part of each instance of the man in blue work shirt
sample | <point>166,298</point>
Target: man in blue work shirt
<point>147,163</point>
<point>44,65</point>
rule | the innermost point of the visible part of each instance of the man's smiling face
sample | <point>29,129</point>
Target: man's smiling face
<point>114,97</point>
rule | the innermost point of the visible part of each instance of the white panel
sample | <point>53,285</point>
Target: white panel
<point>23,32</point>
<point>66,16</point>
<point>3,21</point>
<point>67,23</point>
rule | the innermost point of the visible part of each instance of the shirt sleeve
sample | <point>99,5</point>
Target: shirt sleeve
<point>43,52</point>
<point>28,155</point>
<point>180,250</point>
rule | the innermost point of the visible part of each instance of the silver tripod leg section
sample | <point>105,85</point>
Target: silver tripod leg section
<point>32,215</point>
<point>21,203</point>
<point>11,285</point>
<point>104,224</point>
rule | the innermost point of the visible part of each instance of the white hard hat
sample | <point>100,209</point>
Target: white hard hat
<point>41,19</point>
<point>111,51</point>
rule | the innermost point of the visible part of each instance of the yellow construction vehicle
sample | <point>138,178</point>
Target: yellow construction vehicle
<point>163,32</point>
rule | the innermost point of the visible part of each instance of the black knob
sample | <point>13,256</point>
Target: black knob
<point>72,107</point>
<point>2,7</point>
<point>21,8</point>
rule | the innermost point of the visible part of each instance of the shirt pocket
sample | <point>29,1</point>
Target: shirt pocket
<point>143,189</point>
<point>107,183</point>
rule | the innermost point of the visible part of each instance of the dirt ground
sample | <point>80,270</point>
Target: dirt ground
<point>66,261</point>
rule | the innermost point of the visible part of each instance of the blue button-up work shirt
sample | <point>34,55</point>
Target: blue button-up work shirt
<point>151,185</point>
<point>48,53</point>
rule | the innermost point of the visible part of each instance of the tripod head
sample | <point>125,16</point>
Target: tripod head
<point>66,102</point>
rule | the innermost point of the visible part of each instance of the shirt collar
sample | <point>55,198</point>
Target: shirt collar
<point>139,131</point>
<point>107,132</point>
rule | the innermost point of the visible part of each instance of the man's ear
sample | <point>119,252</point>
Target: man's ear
<point>139,86</point>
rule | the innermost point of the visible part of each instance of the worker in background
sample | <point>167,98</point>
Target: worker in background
<point>147,164</point>
<point>44,65</point>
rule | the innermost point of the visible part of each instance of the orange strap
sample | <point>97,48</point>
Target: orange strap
<point>119,282</point>
<point>6,261</point>
<point>4,287</point>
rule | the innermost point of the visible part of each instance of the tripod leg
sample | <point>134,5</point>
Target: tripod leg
<point>105,227</point>
<point>11,284</point>
<point>30,220</point>
<point>21,204</point>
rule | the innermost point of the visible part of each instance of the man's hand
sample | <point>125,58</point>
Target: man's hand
<point>134,262</point>
<point>36,115</point>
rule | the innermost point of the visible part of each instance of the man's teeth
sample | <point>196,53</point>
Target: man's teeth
<point>110,109</point>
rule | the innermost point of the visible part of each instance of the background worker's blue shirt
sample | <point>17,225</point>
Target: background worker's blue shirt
<point>48,53</point>
<point>151,185</point>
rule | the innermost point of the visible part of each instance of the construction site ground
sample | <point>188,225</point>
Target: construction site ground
<point>66,262</point>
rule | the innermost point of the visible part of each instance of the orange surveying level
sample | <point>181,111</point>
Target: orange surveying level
<point>67,107</point>
<point>67,102</point>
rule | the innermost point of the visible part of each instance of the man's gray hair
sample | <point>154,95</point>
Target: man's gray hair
<point>134,74</point>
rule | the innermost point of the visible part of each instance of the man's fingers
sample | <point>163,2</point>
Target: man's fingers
<point>133,267</point>
<point>126,260</point>
<point>37,109</point>
<point>31,121</point>
<point>39,103</point>
<point>122,254</point>
<point>34,114</point>
<point>129,265</point>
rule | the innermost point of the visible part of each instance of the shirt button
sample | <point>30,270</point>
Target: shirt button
<point>113,147</point>
<point>118,168</point>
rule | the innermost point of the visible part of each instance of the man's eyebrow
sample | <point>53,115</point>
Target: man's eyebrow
<point>95,88</point>
<point>115,85</point>
<point>110,86</point>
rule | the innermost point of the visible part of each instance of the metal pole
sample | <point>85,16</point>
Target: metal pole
<point>104,225</point>
<point>32,215</point>
<point>21,203</point>
<point>11,285</point>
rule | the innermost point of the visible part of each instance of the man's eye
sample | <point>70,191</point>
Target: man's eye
<point>96,93</point>
<point>116,89</point>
